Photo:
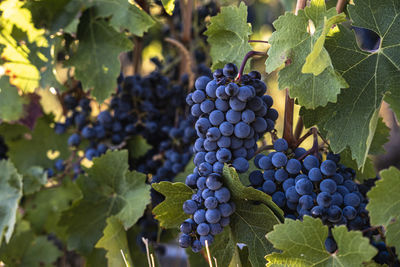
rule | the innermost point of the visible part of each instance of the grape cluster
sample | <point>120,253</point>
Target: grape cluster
<point>3,149</point>
<point>322,189</point>
<point>231,116</point>
<point>142,106</point>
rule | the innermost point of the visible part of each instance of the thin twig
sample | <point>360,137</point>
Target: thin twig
<point>152,260</point>
<point>245,59</point>
<point>267,147</point>
<point>299,128</point>
<point>186,59</point>
<point>123,256</point>
<point>340,5</point>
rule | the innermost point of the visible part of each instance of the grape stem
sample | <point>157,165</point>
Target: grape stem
<point>187,60</point>
<point>257,41</point>
<point>245,59</point>
<point>299,128</point>
<point>315,148</point>
<point>263,148</point>
<point>301,4</point>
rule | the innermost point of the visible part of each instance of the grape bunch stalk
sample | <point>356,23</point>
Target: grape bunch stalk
<point>232,114</point>
<point>302,184</point>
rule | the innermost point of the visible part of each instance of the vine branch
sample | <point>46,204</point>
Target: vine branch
<point>187,67</point>
<point>340,5</point>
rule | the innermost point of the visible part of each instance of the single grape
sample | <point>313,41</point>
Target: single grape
<point>213,215</point>
<point>281,145</point>
<point>315,174</point>
<point>203,228</point>
<point>223,195</point>
<point>279,159</point>
<point>328,167</point>
<point>328,185</point>
<point>185,240</point>
<point>189,206</point>
<point>330,245</point>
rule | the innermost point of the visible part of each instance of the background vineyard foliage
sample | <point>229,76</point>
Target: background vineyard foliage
<point>66,202</point>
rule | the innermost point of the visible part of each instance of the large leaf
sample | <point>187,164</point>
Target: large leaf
<point>292,43</point>
<point>250,223</point>
<point>124,15</point>
<point>239,191</point>
<point>384,205</point>
<point>138,147</point>
<point>228,35</point>
<point>30,148</point>
<point>169,212</point>
<point>96,60</point>
<point>44,209</point>
<point>302,243</point>
<point>26,249</point>
<point>11,103</point>
<point>393,99</point>
<point>10,194</point>
<point>352,121</point>
<point>53,15</point>
<point>34,178</point>
<point>381,137</point>
<point>21,42</point>
<point>115,242</point>
<point>108,189</point>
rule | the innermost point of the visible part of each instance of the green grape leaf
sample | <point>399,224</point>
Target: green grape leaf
<point>44,209</point>
<point>97,258</point>
<point>15,22</point>
<point>169,6</point>
<point>115,242</point>
<point>138,147</point>
<point>10,194</point>
<point>124,15</point>
<point>228,35</point>
<point>181,177</point>
<point>303,244</point>
<point>137,195</point>
<point>11,103</point>
<point>96,60</point>
<point>352,121</point>
<point>30,148</point>
<point>239,191</point>
<point>197,259</point>
<point>381,137</point>
<point>292,43</point>
<point>223,247</point>
<point>393,233</point>
<point>250,223</point>
<point>362,173</point>
<point>108,189</point>
<point>26,249</point>
<point>53,15</point>
<point>384,204</point>
<point>34,178</point>
<point>169,213</point>
<point>393,99</point>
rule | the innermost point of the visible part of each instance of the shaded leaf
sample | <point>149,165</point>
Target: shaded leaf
<point>384,204</point>
<point>239,191</point>
<point>11,103</point>
<point>138,147</point>
<point>107,190</point>
<point>362,173</point>
<point>250,223</point>
<point>44,209</point>
<point>228,35</point>
<point>96,60</point>
<point>115,242</point>
<point>381,137</point>
<point>34,178</point>
<point>169,213</point>
<point>393,234</point>
<point>10,194</point>
<point>181,177</point>
<point>30,148</point>
<point>292,43</point>
<point>124,15</point>
<point>302,243</point>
